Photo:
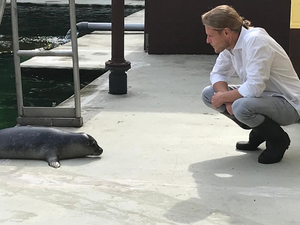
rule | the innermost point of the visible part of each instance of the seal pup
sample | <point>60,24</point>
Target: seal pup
<point>45,143</point>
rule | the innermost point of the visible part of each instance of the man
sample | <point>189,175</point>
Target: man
<point>269,96</point>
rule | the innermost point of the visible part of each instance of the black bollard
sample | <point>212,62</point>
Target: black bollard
<point>117,65</point>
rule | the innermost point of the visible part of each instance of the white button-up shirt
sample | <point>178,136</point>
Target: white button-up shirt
<point>262,65</point>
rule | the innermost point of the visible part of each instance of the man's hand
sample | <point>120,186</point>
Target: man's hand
<point>217,100</point>
<point>225,97</point>
<point>229,108</point>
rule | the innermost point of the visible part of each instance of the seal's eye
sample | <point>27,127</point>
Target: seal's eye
<point>88,143</point>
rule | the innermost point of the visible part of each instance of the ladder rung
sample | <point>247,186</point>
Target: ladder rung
<point>38,52</point>
<point>48,112</point>
<point>56,122</point>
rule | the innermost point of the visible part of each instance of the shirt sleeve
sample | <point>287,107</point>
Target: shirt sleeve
<point>259,57</point>
<point>222,69</point>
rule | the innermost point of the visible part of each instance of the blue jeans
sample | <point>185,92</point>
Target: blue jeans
<point>252,111</point>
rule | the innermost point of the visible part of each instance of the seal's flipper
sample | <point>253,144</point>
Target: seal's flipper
<point>53,162</point>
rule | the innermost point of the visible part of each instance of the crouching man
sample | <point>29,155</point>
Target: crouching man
<point>269,96</point>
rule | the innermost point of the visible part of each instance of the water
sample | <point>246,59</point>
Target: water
<point>41,26</point>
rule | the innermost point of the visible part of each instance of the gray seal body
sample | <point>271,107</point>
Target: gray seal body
<point>45,143</point>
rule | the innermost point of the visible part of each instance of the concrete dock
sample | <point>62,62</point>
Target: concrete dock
<point>168,159</point>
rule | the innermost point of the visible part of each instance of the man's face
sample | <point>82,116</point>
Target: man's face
<point>218,40</point>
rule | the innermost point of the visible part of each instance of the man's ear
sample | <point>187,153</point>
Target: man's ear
<point>226,31</point>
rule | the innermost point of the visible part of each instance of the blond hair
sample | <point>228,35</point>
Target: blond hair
<point>224,16</point>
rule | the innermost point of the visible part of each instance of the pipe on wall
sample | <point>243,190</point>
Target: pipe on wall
<point>90,26</point>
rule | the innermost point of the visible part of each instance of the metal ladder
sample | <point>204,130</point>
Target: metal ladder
<point>47,116</point>
<point>2,7</point>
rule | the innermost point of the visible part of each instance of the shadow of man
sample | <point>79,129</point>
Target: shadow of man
<point>238,190</point>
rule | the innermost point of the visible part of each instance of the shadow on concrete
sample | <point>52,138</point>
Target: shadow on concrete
<point>238,190</point>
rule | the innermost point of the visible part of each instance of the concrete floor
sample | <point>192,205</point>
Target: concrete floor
<point>167,158</point>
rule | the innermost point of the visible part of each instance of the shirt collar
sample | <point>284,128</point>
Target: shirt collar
<point>238,44</point>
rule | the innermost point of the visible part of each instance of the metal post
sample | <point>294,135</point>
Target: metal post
<point>2,7</point>
<point>16,47</point>
<point>75,58</point>
<point>117,65</point>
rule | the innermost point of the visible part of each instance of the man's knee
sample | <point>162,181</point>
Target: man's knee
<point>241,108</point>
<point>207,94</point>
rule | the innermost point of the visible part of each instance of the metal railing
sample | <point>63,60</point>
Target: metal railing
<point>47,116</point>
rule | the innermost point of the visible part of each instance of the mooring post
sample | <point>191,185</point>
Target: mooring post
<point>117,65</point>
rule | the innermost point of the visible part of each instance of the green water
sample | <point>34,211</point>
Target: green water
<point>41,26</point>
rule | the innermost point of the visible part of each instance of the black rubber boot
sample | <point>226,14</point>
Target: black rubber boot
<point>277,141</point>
<point>254,141</point>
<point>232,117</point>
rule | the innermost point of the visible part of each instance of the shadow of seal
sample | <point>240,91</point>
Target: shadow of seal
<point>45,143</point>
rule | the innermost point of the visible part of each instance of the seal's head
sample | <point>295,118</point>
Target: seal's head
<point>92,143</point>
<point>80,145</point>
